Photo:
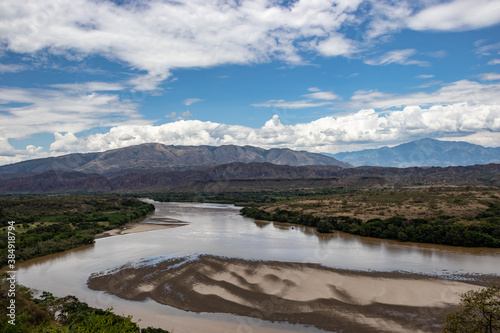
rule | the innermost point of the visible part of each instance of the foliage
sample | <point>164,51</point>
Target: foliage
<point>446,230</point>
<point>50,224</point>
<point>478,312</point>
<point>66,314</point>
<point>255,198</point>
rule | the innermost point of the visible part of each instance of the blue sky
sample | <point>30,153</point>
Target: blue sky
<point>316,75</point>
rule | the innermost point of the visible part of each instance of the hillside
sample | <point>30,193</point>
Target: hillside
<point>425,152</point>
<point>155,156</point>
<point>252,177</point>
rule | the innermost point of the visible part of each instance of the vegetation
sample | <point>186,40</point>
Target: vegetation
<point>67,314</point>
<point>478,312</point>
<point>49,224</point>
<point>462,229</point>
<point>254,198</point>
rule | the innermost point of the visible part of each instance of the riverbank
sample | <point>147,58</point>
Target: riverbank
<point>309,294</point>
<point>135,227</point>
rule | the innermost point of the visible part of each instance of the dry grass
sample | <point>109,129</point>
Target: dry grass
<point>415,202</point>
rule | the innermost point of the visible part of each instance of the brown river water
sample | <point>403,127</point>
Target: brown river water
<point>219,230</point>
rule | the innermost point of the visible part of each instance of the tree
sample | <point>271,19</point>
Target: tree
<point>478,312</point>
<point>324,227</point>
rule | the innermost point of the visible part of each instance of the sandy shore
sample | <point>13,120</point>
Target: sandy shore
<point>330,299</point>
<point>133,227</point>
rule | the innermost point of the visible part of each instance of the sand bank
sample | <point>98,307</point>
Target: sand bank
<point>134,227</point>
<point>310,294</point>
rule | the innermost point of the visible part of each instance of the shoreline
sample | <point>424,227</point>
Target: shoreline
<point>310,294</point>
<point>135,227</point>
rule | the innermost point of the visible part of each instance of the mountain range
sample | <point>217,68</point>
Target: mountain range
<point>425,152</point>
<point>157,167</point>
<point>149,157</point>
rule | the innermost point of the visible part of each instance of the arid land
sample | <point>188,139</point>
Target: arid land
<point>463,202</point>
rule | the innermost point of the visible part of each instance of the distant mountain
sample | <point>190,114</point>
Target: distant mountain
<point>234,177</point>
<point>155,156</point>
<point>425,152</point>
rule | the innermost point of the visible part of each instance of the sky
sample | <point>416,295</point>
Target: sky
<point>315,75</point>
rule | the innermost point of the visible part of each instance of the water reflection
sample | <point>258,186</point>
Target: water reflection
<point>221,230</point>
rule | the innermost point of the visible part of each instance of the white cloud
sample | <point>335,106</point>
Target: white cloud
<point>462,91</point>
<point>430,84</point>
<point>486,49</point>
<point>89,86</point>
<point>483,138</point>
<point>494,62</point>
<point>190,101</point>
<point>438,54</point>
<point>281,103</point>
<point>400,57</point>
<point>157,36</point>
<point>387,17</point>
<point>424,76</point>
<point>65,108</point>
<point>457,15</point>
<point>187,114</point>
<point>11,68</point>
<point>328,134</point>
<point>10,155</point>
<point>335,45</point>
<point>323,95</point>
<point>489,76</point>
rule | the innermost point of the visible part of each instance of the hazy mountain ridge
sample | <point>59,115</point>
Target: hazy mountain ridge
<point>425,152</point>
<point>151,156</point>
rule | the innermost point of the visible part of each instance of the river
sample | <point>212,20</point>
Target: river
<point>220,230</point>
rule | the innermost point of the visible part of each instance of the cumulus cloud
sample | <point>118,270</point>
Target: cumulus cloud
<point>335,45</point>
<point>483,138</point>
<point>401,57</point>
<point>9,154</point>
<point>457,15</point>
<point>494,62</point>
<point>328,134</point>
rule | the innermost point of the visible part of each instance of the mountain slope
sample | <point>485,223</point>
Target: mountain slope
<point>425,152</point>
<point>155,156</point>
<point>151,156</point>
<point>234,177</point>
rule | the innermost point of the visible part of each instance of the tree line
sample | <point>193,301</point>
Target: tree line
<point>50,224</point>
<point>47,313</point>
<point>483,230</point>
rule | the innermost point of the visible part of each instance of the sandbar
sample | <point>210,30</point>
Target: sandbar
<point>334,300</point>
